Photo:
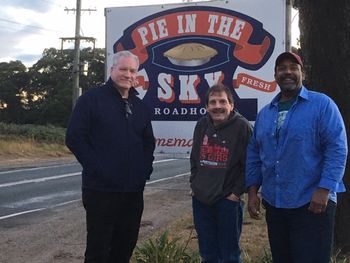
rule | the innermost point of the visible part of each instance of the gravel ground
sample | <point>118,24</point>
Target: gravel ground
<point>58,234</point>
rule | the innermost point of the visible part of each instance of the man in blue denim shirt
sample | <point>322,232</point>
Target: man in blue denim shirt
<point>297,155</point>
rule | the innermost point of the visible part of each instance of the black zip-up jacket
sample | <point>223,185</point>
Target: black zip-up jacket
<point>218,158</point>
<point>115,149</point>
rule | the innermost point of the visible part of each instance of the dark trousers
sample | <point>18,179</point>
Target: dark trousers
<point>218,228</point>
<point>299,236</point>
<point>112,222</point>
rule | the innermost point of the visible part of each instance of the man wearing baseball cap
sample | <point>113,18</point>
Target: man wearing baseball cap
<point>297,156</point>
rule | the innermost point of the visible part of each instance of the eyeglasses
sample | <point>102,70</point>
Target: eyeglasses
<point>127,107</point>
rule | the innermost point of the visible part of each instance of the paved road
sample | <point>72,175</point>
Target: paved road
<point>32,189</point>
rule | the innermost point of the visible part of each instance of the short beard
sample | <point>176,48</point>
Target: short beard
<point>289,88</point>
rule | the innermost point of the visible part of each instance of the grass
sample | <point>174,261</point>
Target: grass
<point>254,240</point>
<point>26,148</point>
<point>37,133</point>
<point>165,249</point>
<point>31,141</point>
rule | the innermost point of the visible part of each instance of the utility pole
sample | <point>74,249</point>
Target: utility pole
<point>76,66</point>
<point>288,44</point>
<point>77,38</point>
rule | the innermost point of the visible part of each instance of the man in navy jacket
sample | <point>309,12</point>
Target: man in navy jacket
<point>110,134</point>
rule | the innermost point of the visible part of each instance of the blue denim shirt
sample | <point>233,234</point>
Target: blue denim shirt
<point>310,152</point>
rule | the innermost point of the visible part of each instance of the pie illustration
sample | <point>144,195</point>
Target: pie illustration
<point>190,54</point>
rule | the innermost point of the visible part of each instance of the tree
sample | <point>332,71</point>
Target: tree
<point>13,82</point>
<point>95,59</point>
<point>42,94</point>
<point>324,39</point>
<point>51,83</point>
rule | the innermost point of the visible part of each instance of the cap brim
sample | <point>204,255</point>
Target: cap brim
<point>288,55</point>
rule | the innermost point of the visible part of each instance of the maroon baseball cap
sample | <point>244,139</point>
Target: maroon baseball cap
<point>289,55</point>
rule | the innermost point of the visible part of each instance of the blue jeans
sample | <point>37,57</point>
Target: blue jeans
<point>299,236</point>
<point>218,228</point>
<point>112,222</point>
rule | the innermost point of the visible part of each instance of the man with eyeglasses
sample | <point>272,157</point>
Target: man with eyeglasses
<point>297,155</point>
<point>110,134</point>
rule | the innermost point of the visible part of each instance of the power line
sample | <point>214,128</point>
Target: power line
<point>296,14</point>
<point>12,29</point>
<point>36,27</point>
<point>51,2</point>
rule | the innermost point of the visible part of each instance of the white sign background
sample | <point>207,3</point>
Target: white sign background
<point>176,136</point>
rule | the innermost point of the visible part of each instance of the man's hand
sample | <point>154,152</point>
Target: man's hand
<point>253,202</point>
<point>319,201</point>
<point>233,197</point>
<point>134,82</point>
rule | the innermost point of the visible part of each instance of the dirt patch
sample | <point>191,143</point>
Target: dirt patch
<point>7,161</point>
<point>58,234</point>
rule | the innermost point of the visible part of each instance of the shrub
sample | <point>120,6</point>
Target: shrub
<point>267,257</point>
<point>38,133</point>
<point>165,250</point>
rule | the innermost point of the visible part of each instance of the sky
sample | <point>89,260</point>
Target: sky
<point>27,27</point>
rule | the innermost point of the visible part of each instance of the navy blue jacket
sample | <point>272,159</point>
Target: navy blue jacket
<point>115,151</point>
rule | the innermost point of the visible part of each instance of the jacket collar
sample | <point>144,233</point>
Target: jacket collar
<point>303,93</point>
<point>110,85</point>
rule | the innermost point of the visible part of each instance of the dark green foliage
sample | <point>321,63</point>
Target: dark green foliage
<point>38,133</point>
<point>42,94</point>
<point>164,250</point>
<point>13,81</point>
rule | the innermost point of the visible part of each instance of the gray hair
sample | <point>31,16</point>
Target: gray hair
<point>124,53</point>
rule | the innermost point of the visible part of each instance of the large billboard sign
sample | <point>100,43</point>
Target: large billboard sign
<point>185,49</point>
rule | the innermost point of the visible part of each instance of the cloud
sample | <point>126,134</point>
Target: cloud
<point>8,44</point>
<point>28,59</point>
<point>24,44</point>
<point>27,27</point>
<point>26,30</point>
<point>35,5</point>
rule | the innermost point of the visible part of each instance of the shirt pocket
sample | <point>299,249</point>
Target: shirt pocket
<point>299,148</point>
